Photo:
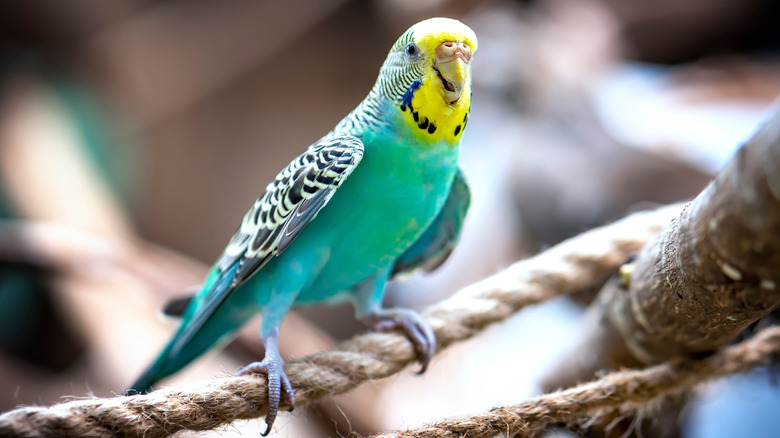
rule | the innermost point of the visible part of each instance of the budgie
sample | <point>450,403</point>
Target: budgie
<point>380,194</point>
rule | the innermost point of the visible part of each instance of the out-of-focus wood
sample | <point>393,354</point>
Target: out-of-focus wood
<point>169,56</point>
<point>43,166</point>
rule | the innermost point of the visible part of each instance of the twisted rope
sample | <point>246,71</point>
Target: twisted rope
<point>613,392</point>
<point>577,264</point>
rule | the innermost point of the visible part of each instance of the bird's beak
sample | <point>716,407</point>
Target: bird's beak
<point>452,65</point>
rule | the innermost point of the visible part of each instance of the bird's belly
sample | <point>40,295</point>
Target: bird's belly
<point>368,224</point>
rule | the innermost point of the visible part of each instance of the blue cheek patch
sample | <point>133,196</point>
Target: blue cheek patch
<point>406,101</point>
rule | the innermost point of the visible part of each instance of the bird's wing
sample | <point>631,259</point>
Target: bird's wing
<point>440,238</point>
<point>290,202</point>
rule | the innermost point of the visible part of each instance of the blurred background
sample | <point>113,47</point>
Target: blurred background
<point>134,134</point>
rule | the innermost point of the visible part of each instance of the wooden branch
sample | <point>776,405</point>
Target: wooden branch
<point>711,273</point>
<point>73,251</point>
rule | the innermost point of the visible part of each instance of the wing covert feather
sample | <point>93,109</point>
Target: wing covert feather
<point>291,201</point>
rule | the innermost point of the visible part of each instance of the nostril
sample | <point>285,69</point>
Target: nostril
<point>448,44</point>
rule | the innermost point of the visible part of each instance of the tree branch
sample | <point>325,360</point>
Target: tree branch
<point>712,272</point>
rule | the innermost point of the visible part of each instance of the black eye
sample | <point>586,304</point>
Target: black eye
<point>411,49</point>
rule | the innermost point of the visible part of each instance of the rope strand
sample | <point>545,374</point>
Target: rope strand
<point>612,392</point>
<point>577,264</point>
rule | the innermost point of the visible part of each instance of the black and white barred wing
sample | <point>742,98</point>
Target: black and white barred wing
<point>290,202</point>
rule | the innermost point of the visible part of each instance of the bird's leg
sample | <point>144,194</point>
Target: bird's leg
<point>278,384</point>
<point>414,326</point>
<point>368,299</point>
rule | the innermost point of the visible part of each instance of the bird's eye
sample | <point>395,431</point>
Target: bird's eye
<point>412,50</point>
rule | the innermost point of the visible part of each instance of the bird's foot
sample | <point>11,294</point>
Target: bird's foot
<point>414,327</point>
<point>278,386</point>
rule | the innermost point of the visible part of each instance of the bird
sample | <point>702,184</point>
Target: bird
<point>379,196</point>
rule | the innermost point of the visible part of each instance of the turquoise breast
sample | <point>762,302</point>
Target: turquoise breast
<point>379,211</point>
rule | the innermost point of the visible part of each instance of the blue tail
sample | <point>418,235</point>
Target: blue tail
<point>151,376</point>
<point>192,339</point>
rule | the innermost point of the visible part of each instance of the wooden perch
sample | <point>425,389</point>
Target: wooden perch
<point>712,272</point>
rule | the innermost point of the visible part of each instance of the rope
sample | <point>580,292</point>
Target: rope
<point>613,392</point>
<point>577,264</point>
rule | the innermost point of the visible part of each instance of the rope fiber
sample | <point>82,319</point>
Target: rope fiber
<point>578,264</point>
<point>618,391</point>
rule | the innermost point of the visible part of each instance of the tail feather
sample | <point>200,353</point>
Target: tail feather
<point>153,374</point>
<point>189,342</point>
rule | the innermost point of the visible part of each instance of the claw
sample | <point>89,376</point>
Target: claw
<point>278,386</point>
<point>414,327</point>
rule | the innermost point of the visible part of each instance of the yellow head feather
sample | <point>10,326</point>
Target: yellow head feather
<point>428,34</point>
<point>431,116</point>
<point>428,107</point>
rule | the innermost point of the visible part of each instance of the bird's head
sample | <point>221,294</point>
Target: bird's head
<point>427,77</point>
